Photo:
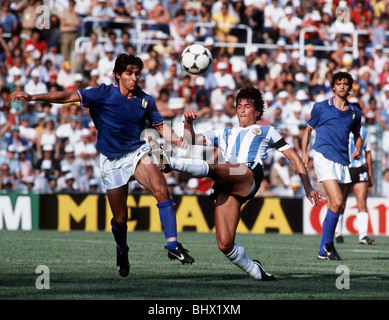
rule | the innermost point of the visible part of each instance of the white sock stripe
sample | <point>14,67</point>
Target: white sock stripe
<point>232,253</point>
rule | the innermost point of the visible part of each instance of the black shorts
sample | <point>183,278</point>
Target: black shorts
<point>256,168</point>
<point>359,174</point>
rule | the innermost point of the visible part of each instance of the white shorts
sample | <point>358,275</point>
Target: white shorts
<point>328,170</point>
<point>118,171</point>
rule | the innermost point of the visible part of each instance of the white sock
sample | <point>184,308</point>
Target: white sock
<point>196,167</point>
<point>339,226</point>
<point>363,221</point>
<point>239,257</point>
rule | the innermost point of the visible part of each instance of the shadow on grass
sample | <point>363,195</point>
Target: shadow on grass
<point>214,286</point>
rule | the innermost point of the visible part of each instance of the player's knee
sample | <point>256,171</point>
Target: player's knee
<point>337,205</point>
<point>119,221</point>
<point>225,246</point>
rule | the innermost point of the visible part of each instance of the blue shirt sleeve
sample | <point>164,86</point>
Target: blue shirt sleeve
<point>92,97</point>
<point>356,128</point>
<point>315,116</point>
<point>154,115</point>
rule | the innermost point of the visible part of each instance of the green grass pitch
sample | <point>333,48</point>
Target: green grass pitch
<point>82,267</point>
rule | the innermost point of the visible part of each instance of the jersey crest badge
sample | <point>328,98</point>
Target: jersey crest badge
<point>145,103</point>
<point>257,132</point>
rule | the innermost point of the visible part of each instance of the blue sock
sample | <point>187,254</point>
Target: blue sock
<point>120,235</point>
<point>167,215</point>
<point>329,226</point>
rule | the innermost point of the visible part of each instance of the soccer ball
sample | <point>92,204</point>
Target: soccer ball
<point>196,59</point>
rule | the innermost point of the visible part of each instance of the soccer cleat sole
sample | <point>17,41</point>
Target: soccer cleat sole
<point>265,276</point>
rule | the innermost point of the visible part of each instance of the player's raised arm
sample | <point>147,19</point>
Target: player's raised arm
<point>314,196</point>
<point>189,133</point>
<point>168,134</point>
<point>53,97</point>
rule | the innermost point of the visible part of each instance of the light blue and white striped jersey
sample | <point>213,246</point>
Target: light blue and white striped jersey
<point>366,146</point>
<point>242,145</point>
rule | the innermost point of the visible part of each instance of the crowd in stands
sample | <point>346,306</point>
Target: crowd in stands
<point>51,147</point>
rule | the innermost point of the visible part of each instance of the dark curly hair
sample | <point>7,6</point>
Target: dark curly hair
<point>341,75</point>
<point>255,95</point>
<point>124,60</point>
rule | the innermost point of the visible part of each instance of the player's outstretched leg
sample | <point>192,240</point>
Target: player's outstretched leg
<point>254,268</point>
<point>163,160</point>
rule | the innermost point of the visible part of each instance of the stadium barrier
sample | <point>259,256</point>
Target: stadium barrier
<point>91,212</point>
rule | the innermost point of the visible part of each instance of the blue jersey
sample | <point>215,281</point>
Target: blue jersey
<point>119,121</point>
<point>242,145</point>
<point>366,146</point>
<point>333,128</point>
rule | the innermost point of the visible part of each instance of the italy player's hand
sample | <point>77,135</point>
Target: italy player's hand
<point>181,143</point>
<point>356,155</point>
<point>317,198</point>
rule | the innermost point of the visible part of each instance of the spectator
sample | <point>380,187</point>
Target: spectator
<point>71,185</point>
<point>89,54</point>
<point>43,72</point>
<point>265,190</point>
<point>65,76</point>
<point>192,186</point>
<point>9,22</point>
<point>70,131</point>
<point>359,12</point>
<point>89,181</point>
<point>102,11</point>
<point>223,32</point>
<point>56,58</point>
<point>224,78</point>
<point>34,85</point>
<point>272,15</point>
<point>69,25</point>
<point>377,31</point>
<point>37,41</point>
<point>29,15</point>
<point>219,118</point>
<point>106,65</point>
<point>25,169</point>
<point>85,149</point>
<point>380,58</point>
<point>47,137</point>
<point>219,94</point>
<point>179,29</point>
<point>154,79</point>
<point>29,183</point>
<point>289,26</point>
<point>280,175</point>
<point>159,18</point>
<point>11,158</point>
<point>385,183</point>
<point>42,179</point>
